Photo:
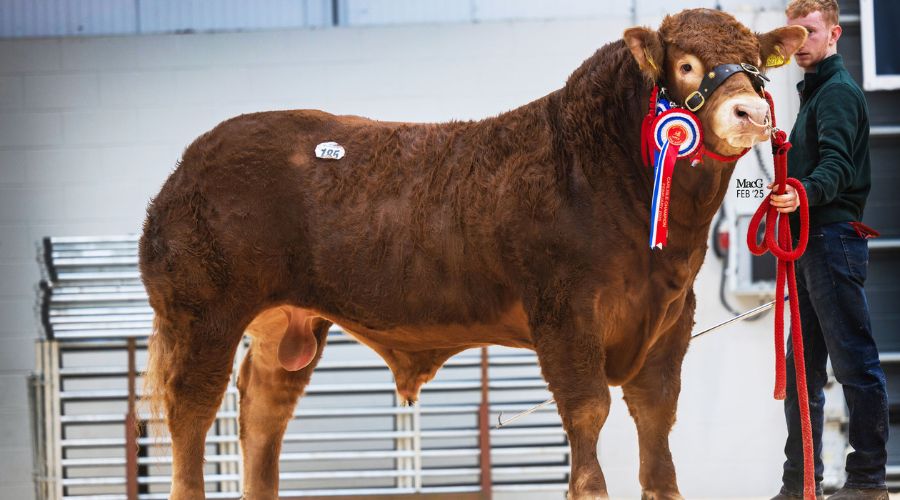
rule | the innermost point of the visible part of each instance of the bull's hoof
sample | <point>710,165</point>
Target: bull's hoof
<point>661,495</point>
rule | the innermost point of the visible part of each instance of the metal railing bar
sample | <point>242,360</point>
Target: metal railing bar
<point>884,243</point>
<point>543,469</point>
<point>347,492</point>
<point>116,481</point>
<point>523,431</point>
<point>345,455</point>
<point>99,326</point>
<point>96,261</point>
<point>67,240</point>
<point>345,474</point>
<point>117,290</point>
<point>531,487</point>
<point>305,437</point>
<point>147,441</point>
<point>102,276</point>
<point>348,436</point>
<point>101,344</point>
<point>100,311</point>
<point>328,412</point>
<point>81,320</point>
<point>325,365</point>
<point>368,388</point>
<point>99,297</point>
<point>117,418</point>
<point>112,250</point>
<point>120,461</point>
<point>152,496</point>
<point>884,130</point>
<point>104,335</point>
<point>109,394</point>
<point>429,472</point>
<point>327,436</point>
<point>890,357</point>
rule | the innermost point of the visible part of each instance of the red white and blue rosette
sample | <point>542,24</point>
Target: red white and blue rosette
<point>679,127</point>
<point>677,134</point>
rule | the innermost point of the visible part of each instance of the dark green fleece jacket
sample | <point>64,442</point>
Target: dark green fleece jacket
<point>830,153</point>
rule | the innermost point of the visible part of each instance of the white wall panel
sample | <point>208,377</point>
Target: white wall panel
<point>43,18</point>
<point>379,12</point>
<point>52,18</point>
<point>491,10</point>
<point>167,16</point>
<point>99,17</point>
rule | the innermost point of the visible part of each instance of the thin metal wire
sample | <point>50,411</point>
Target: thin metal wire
<point>747,314</point>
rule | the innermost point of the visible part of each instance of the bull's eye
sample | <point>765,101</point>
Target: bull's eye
<point>686,68</point>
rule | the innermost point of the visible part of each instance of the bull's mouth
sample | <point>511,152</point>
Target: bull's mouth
<point>747,139</point>
<point>748,132</point>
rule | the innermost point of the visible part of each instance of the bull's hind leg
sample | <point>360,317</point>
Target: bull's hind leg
<point>269,393</point>
<point>652,398</point>
<point>571,357</point>
<point>190,363</point>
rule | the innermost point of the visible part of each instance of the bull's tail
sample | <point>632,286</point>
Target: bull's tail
<point>161,347</point>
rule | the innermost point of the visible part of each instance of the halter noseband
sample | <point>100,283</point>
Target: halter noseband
<point>712,80</point>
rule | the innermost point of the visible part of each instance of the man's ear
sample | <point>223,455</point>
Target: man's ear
<point>777,46</point>
<point>836,32</point>
<point>647,49</point>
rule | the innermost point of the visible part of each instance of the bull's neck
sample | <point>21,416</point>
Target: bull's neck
<point>600,112</point>
<point>697,193</point>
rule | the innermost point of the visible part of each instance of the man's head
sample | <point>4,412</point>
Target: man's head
<point>820,18</point>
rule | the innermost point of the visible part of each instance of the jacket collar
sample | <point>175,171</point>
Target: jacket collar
<point>824,70</point>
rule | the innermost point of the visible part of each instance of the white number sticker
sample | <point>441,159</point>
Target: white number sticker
<point>330,151</point>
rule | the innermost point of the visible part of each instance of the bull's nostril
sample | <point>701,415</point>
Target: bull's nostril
<point>740,113</point>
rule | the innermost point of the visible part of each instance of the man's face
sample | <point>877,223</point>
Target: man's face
<point>822,41</point>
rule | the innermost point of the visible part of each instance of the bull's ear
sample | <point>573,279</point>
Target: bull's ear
<point>647,49</point>
<point>777,46</point>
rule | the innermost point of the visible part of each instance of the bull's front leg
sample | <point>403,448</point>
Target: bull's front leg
<point>571,356</point>
<point>652,398</point>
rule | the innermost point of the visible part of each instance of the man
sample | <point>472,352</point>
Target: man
<point>830,156</point>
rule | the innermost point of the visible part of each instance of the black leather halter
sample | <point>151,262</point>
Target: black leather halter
<point>717,76</point>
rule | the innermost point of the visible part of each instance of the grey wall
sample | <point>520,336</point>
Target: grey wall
<point>90,127</point>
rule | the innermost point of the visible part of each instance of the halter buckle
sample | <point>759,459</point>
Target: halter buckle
<point>693,98</point>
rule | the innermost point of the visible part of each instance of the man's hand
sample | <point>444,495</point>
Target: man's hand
<point>787,202</point>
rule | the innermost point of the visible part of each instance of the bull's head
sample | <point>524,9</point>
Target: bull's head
<point>697,43</point>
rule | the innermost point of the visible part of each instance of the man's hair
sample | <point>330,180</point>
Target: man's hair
<point>800,8</point>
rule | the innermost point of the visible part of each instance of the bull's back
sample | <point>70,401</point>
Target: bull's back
<point>368,236</point>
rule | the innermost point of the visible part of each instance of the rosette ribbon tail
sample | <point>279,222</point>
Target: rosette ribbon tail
<point>662,188</point>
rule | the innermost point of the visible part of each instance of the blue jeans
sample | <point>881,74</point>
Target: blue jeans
<point>834,315</point>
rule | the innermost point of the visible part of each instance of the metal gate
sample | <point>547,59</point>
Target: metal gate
<point>350,434</point>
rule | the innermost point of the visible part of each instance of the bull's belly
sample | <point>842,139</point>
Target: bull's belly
<point>288,332</point>
<point>510,328</point>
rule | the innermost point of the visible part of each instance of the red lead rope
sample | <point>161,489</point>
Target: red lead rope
<point>786,256</point>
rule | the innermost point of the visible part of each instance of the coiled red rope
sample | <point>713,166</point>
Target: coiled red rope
<point>786,255</point>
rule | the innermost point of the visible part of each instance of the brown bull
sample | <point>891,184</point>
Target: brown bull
<point>528,229</point>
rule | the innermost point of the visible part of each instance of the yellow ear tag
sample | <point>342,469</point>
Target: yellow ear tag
<point>776,59</point>
<point>650,60</point>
